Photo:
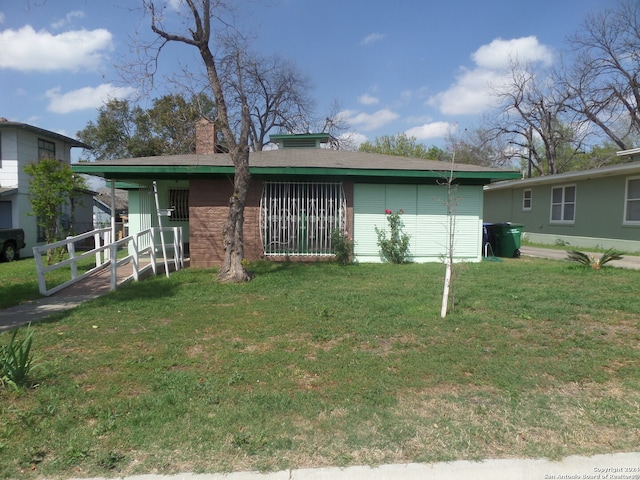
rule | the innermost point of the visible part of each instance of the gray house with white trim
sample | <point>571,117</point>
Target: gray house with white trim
<point>583,209</point>
<point>21,144</point>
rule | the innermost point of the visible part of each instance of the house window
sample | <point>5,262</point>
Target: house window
<point>179,202</point>
<point>526,199</point>
<point>46,149</point>
<point>297,219</point>
<point>563,204</point>
<point>632,203</point>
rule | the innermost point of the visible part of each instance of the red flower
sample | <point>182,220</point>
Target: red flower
<point>388,212</point>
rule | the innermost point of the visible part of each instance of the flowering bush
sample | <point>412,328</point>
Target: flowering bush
<point>395,248</point>
<point>342,246</point>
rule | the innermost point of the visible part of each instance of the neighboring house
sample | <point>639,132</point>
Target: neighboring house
<point>299,195</point>
<point>21,144</point>
<point>102,206</point>
<point>583,209</point>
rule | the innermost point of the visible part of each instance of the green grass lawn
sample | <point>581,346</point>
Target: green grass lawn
<point>316,365</point>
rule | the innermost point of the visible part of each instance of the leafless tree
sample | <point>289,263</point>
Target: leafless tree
<point>276,92</point>
<point>336,125</point>
<point>535,120</point>
<point>200,17</point>
<point>603,79</point>
<point>480,146</point>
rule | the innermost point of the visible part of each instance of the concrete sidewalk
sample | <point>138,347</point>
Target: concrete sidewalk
<point>612,466</point>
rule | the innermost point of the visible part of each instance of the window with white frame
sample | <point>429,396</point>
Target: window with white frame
<point>563,204</point>
<point>527,197</point>
<point>632,201</point>
<point>297,218</point>
<point>179,203</point>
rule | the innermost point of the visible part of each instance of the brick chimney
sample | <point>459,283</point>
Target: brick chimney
<point>205,137</point>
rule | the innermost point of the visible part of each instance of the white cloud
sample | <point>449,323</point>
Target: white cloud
<point>28,50</point>
<point>472,92</point>
<point>369,121</point>
<point>431,130</point>
<point>501,54</point>
<point>67,19</point>
<point>367,99</point>
<point>85,98</point>
<point>374,37</point>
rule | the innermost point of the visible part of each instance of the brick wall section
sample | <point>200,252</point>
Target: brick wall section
<point>208,210</point>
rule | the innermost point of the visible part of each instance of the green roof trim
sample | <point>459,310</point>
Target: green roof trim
<point>302,140</point>
<point>120,172</point>
<point>294,162</point>
<point>315,136</point>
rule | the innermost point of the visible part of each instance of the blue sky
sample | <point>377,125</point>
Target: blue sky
<point>415,66</point>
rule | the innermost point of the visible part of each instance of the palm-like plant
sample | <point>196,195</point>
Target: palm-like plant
<point>591,261</point>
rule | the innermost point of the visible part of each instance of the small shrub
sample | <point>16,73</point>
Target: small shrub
<point>342,246</point>
<point>15,360</point>
<point>394,249</point>
<point>591,261</point>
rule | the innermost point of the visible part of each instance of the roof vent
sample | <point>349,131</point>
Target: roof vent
<point>303,140</point>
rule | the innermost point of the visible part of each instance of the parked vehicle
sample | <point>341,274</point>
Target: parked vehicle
<point>11,241</point>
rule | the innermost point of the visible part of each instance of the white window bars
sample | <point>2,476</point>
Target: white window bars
<point>297,218</point>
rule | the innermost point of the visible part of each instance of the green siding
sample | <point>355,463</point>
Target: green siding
<point>599,214</point>
<point>425,220</point>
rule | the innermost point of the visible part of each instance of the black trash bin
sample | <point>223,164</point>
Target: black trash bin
<point>488,240</point>
<point>507,239</point>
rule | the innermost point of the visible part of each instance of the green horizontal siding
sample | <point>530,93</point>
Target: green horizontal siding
<point>425,220</point>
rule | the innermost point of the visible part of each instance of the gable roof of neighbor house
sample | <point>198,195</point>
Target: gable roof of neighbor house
<point>4,123</point>
<point>630,168</point>
<point>293,162</point>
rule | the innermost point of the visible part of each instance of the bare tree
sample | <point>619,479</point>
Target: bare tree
<point>278,98</point>
<point>337,126</point>
<point>480,146</point>
<point>535,121</point>
<point>200,17</point>
<point>604,79</point>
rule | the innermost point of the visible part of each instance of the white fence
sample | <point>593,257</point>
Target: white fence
<point>141,249</point>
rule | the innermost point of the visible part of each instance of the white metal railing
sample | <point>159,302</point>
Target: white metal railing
<point>141,248</point>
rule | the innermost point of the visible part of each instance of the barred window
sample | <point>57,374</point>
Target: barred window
<point>297,218</point>
<point>179,203</point>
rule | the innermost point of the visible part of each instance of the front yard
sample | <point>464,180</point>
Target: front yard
<point>316,365</point>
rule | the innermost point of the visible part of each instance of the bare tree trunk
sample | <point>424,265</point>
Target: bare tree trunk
<point>199,36</point>
<point>232,269</point>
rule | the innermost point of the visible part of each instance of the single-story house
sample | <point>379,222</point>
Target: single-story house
<point>583,209</point>
<point>299,193</point>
